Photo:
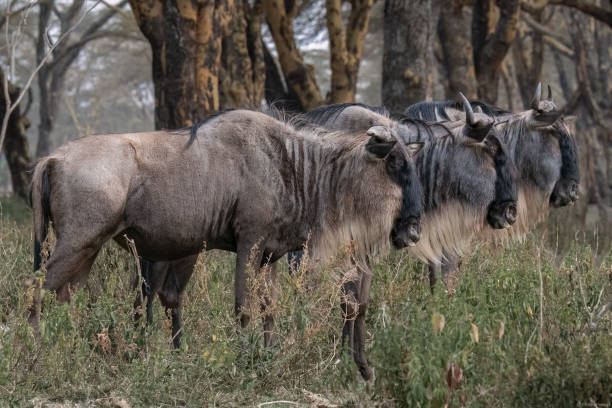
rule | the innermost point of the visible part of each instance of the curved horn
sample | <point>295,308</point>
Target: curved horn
<point>535,102</point>
<point>549,93</point>
<point>469,113</point>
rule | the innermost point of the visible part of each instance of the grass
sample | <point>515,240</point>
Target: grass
<point>489,345</point>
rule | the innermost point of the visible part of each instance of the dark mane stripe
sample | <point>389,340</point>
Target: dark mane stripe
<point>193,129</point>
<point>430,111</point>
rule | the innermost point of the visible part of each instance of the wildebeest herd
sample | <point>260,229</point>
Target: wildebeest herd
<point>262,185</point>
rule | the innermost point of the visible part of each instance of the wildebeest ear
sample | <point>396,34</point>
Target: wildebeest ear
<point>570,120</point>
<point>414,147</point>
<point>381,142</point>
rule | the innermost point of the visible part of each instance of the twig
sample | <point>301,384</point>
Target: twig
<point>263,404</point>
<point>10,107</point>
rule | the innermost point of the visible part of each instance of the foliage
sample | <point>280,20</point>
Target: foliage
<point>481,347</point>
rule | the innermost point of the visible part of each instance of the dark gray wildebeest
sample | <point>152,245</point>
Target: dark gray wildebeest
<point>468,183</point>
<point>544,151</point>
<point>242,181</point>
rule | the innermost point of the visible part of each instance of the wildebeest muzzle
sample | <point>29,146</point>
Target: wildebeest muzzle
<point>502,215</point>
<point>566,192</point>
<point>406,233</point>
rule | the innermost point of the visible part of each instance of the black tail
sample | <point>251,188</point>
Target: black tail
<point>41,209</point>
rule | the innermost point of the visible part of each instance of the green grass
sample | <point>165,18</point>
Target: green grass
<point>89,353</point>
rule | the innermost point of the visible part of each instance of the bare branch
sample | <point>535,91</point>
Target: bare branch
<point>541,28</point>
<point>11,106</point>
<point>588,7</point>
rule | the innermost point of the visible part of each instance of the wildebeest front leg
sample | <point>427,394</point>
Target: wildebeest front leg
<point>247,252</point>
<point>269,299</point>
<point>450,271</point>
<point>359,353</point>
<point>434,272</point>
<point>355,307</point>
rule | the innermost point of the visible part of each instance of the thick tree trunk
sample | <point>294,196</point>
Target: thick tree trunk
<point>15,146</point>
<point>454,29</point>
<point>186,40</point>
<point>407,55</point>
<point>206,56</point>
<point>242,59</point>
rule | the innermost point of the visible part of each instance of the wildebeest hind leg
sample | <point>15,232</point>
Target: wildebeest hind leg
<point>68,268</point>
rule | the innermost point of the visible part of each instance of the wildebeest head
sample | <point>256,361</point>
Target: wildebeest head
<point>502,211</point>
<point>399,164</point>
<point>545,118</point>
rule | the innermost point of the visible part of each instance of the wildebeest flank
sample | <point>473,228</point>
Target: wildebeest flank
<point>246,183</point>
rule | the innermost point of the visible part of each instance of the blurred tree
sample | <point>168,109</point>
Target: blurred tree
<point>298,75</point>
<point>51,77</point>
<point>491,41</point>
<point>205,55</point>
<point>458,55</point>
<point>346,32</point>
<point>407,69</point>
<point>346,46</point>
<point>15,145</point>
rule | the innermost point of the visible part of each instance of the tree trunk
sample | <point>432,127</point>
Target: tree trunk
<point>491,42</point>
<point>15,146</point>
<point>206,56</point>
<point>299,75</point>
<point>453,29</point>
<point>407,54</point>
<point>346,46</point>
<point>278,93</point>
<point>242,59</point>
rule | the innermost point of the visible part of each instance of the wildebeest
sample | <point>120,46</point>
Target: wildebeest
<point>467,179</point>
<point>241,181</point>
<point>543,149</point>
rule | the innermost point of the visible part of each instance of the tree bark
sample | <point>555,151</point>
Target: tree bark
<point>206,56</point>
<point>453,29</point>
<point>242,59</point>
<point>407,54</point>
<point>491,42</point>
<point>15,146</point>
<point>186,40</point>
<point>346,46</point>
<point>299,75</point>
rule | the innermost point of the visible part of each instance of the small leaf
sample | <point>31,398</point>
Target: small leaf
<point>529,312</point>
<point>500,331</point>
<point>438,321</point>
<point>475,332</point>
<point>214,337</point>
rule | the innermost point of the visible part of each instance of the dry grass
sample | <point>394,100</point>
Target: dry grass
<point>89,352</point>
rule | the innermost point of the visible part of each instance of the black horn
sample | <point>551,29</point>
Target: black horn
<point>549,93</point>
<point>469,113</point>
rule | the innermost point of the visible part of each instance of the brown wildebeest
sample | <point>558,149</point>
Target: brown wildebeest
<point>544,151</point>
<point>241,181</point>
